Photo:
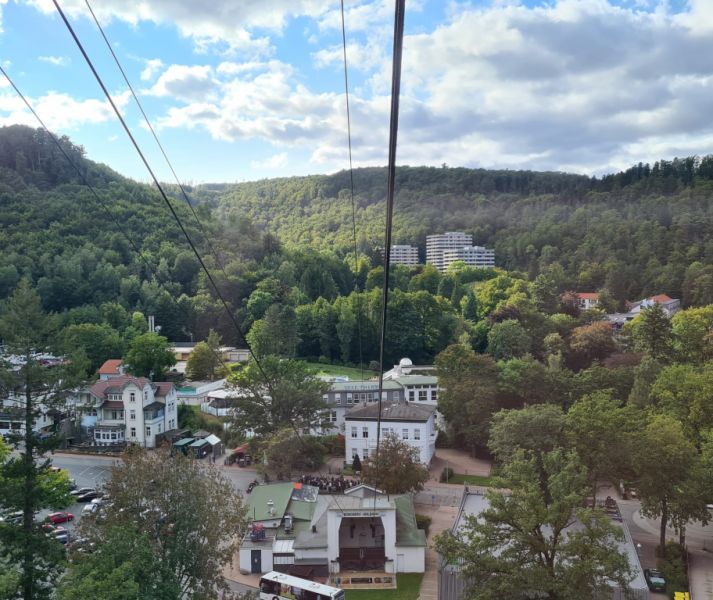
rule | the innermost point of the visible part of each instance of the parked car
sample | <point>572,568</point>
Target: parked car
<point>655,580</point>
<point>60,517</point>
<point>88,496</point>
<point>61,535</point>
<point>90,509</point>
<point>81,491</point>
<point>14,517</point>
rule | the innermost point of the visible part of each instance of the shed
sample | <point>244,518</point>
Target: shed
<point>200,448</point>
<point>182,444</point>
<point>216,445</point>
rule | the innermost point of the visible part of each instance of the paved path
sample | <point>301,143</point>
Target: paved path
<point>443,518</point>
<point>700,575</point>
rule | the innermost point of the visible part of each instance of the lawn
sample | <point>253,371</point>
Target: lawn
<point>351,372</point>
<point>409,585</point>
<point>484,480</point>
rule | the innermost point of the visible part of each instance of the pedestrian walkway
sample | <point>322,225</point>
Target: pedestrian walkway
<point>443,518</point>
<point>700,575</point>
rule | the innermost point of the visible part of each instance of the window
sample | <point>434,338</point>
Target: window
<point>159,427</point>
<point>349,399</point>
<point>113,436</point>
<point>416,434</point>
<point>148,431</point>
<point>434,395</point>
<point>325,397</point>
<point>354,452</point>
<point>422,395</point>
<point>132,397</point>
<point>404,434</point>
<point>354,432</point>
<point>132,414</point>
<point>384,431</point>
<point>411,395</point>
<point>333,416</point>
<point>365,453</point>
<point>133,432</point>
<point>365,432</point>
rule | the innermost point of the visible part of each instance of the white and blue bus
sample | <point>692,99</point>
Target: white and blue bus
<point>278,586</point>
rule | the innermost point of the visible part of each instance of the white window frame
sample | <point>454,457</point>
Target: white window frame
<point>364,432</point>
<point>416,434</point>
<point>404,433</point>
<point>354,431</point>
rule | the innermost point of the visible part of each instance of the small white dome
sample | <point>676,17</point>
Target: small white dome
<point>405,362</point>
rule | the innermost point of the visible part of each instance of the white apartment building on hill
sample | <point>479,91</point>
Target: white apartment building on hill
<point>437,244</point>
<point>473,256</point>
<point>404,254</point>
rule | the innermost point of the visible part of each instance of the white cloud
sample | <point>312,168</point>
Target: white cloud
<point>185,82</point>
<point>153,66</point>
<point>57,61</point>
<point>221,24</point>
<point>273,163</point>
<point>60,112</point>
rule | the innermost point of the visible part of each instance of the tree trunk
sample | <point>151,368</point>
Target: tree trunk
<point>682,536</point>
<point>664,520</point>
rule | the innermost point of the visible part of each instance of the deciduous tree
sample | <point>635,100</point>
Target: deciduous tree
<point>524,544</point>
<point>396,468</point>
<point>278,393</point>
<point>149,356</point>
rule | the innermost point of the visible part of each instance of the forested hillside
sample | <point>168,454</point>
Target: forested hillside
<point>285,267</point>
<point>638,232</point>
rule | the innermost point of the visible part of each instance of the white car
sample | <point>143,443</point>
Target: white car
<point>90,509</point>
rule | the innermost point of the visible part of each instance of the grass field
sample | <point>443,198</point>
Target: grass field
<point>409,584</point>
<point>483,480</point>
<point>351,372</point>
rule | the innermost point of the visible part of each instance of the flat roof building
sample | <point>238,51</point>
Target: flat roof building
<point>437,244</point>
<point>404,254</point>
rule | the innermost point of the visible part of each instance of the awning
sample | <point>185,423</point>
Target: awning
<point>283,547</point>
<point>213,440</point>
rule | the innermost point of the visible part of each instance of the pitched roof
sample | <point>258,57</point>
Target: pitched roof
<point>111,367</point>
<point>117,384</point>
<point>406,380</point>
<point>660,298</point>
<point>391,411</point>
<point>162,388</point>
<point>587,295</point>
<point>116,404</point>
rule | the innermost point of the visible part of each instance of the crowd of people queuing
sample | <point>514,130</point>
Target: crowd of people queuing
<point>329,485</point>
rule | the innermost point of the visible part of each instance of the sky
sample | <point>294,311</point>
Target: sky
<point>249,89</point>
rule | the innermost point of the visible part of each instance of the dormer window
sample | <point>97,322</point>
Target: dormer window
<point>132,397</point>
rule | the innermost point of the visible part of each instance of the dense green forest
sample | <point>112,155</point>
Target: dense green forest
<point>284,253</point>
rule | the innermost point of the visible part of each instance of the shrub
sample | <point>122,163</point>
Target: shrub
<point>443,440</point>
<point>334,444</point>
<point>423,522</point>
<point>447,474</point>
<point>374,365</point>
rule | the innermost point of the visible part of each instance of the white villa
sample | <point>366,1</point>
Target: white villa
<point>132,410</point>
<point>411,422</point>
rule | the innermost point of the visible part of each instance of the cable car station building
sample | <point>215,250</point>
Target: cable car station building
<point>361,538</point>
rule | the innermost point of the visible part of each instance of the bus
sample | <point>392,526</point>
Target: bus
<point>278,586</point>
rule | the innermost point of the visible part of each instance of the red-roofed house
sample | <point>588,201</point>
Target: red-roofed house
<point>587,300</point>
<point>132,410</point>
<point>114,367</point>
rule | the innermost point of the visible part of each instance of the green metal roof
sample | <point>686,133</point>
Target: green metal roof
<point>301,510</point>
<point>407,533</point>
<point>417,380</point>
<point>199,443</point>
<point>279,493</point>
<point>183,442</point>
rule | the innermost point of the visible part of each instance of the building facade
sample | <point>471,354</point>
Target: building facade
<point>412,423</point>
<point>437,244</point>
<point>132,410</point>
<point>473,256</point>
<point>404,254</point>
<point>360,534</point>
<point>345,395</point>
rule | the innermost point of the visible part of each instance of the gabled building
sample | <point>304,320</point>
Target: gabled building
<point>669,305</point>
<point>114,367</point>
<point>132,410</point>
<point>412,423</point>
<point>347,539</point>
<point>587,300</point>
